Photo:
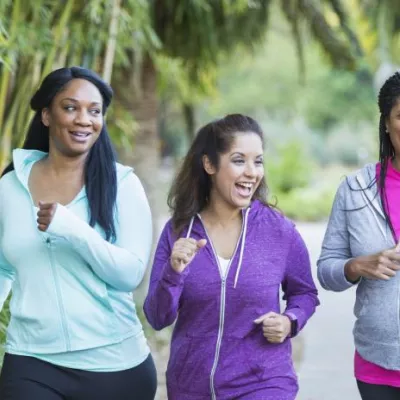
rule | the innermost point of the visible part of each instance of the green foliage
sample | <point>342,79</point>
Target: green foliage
<point>198,32</point>
<point>295,184</point>
<point>289,168</point>
<point>4,318</point>
<point>307,204</point>
<point>336,97</point>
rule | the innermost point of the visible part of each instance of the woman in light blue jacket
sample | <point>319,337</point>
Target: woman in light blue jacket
<point>75,238</point>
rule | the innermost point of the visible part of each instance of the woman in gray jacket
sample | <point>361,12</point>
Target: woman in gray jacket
<point>361,248</point>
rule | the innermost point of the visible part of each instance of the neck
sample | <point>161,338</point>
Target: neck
<point>217,213</point>
<point>396,162</point>
<point>59,165</point>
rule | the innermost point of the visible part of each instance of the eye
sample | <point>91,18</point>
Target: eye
<point>260,162</point>
<point>95,111</point>
<point>238,161</point>
<point>70,108</point>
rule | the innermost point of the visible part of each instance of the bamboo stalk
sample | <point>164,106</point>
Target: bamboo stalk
<point>8,129</point>
<point>6,72</point>
<point>112,41</point>
<point>65,16</point>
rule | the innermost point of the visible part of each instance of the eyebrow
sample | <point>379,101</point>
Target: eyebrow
<point>237,153</point>
<point>77,101</point>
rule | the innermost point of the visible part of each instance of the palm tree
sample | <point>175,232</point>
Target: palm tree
<point>199,33</point>
<point>384,22</point>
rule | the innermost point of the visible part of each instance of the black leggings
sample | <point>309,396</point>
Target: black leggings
<point>25,378</point>
<point>369,391</point>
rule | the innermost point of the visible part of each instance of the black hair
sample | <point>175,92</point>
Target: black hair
<point>100,174</point>
<point>388,96</point>
<point>190,191</point>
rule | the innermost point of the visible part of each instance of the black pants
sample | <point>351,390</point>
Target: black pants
<point>27,378</point>
<point>378,392</point>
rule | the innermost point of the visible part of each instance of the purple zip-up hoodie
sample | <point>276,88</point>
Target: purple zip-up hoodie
<point>217,351</point>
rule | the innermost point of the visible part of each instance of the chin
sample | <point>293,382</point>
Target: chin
<point>242,203</point>
<point>74,152</point>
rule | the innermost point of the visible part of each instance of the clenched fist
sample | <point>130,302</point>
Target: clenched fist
<point>184,251</point>
<point>383,265</point>
<point>276,327</point>
<point>45,215</point>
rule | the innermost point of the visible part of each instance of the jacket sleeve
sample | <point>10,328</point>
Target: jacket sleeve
<point>335,247</point>
<point>298,286</point>
<point>166,286</point>
<point>7,277</point>
<point>122,264</point>
<point>7,272</point>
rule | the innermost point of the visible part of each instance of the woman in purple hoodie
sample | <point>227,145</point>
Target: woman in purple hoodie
<point>219,264</point>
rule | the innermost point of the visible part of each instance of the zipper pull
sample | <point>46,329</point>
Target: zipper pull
<point>48,242</point>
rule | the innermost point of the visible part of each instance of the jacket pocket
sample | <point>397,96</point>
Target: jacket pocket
<point>252,359</point>
<point>190,365</point>
<point>377,311</point>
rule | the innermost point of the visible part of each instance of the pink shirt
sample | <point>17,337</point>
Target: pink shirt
<point>364,370</point>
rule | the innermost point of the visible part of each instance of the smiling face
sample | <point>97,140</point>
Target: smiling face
<point>74,118</point>
<point>240,171</point>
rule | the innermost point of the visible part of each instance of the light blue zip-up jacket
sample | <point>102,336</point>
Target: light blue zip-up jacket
<point>71,289</point>
<point>357,227</point>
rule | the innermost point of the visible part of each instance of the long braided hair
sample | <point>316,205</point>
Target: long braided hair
<point>388,97</point>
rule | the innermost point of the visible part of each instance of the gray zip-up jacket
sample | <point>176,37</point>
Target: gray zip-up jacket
<point>357,227</point>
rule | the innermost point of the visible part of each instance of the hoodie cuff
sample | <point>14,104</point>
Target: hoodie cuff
<point>335,278</point>
<point>61,223</point>
<point>172,277</point>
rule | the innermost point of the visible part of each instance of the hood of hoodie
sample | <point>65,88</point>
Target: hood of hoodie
<point>23,161</point>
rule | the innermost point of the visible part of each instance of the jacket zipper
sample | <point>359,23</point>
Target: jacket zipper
<point>222,308</point>
<point>59,298</point>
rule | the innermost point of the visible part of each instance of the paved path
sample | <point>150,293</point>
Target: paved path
<point>326,371</point>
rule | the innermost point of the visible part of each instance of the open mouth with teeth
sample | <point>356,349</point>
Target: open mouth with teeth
<point>79,136</point>
<point>244,188</point>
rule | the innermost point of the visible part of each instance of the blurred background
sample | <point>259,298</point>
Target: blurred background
<point>307,70</point>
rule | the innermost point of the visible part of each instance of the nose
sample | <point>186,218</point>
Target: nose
<point>250,169</point>
<point>83,118</point>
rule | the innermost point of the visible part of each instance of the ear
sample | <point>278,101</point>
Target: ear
<point>208,166</point>
<point>46,117</point>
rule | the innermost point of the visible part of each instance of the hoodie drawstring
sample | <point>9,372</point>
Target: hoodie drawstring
<point>242,247</point>
<point>190,228</point>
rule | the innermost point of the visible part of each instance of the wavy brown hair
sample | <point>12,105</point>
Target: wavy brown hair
<point>190,191</point>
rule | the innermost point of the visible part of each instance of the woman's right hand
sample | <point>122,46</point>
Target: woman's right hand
<point>184,251</point>
<point>382,265</point>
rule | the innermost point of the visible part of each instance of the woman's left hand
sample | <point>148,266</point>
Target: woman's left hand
<point>276,327</point>
<point>45,215</point>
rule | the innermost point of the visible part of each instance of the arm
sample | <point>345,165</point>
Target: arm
<point>298,286</point>
<point>335,253</point>
<point>166,286</point>
<point>120,265</point>
<point>7,277</point>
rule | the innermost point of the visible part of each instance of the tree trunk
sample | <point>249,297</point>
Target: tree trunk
<point>141,99</point>
<point>190,120</point>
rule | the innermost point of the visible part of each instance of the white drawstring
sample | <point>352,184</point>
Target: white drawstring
<point>369,205</point>
<point>190,228</point>
<point>242,247</point>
